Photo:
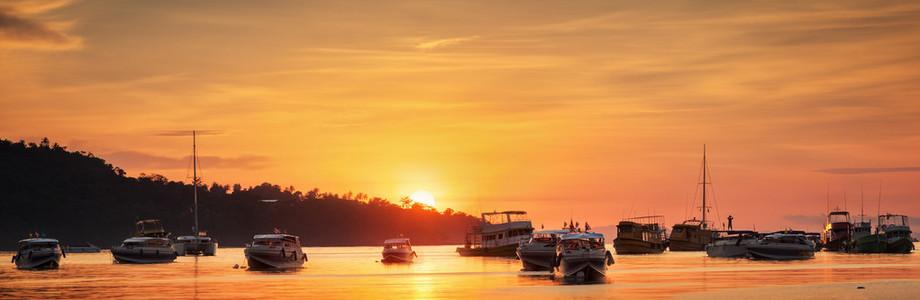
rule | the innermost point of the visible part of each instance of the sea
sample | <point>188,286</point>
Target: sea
<point>438,272</point>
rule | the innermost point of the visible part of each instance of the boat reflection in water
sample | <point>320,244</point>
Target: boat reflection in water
<point>275,251</point>
<point>582,257</point>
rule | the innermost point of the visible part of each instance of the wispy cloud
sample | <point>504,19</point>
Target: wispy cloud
<point>869,170</point>
<point>21,26</point>
<point>805,219</point>
<point>141,160</point>
<point>431,45</point>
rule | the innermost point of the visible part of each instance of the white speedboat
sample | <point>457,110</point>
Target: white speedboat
<point>398,250</point>
<point>782,246</point>
<point>202,245</point>
<point>275,251</point>
<point>537,253</point>
<point>38,253</point>
<point>731,244</point>
<point>144,250</point>
<point>582,256</point>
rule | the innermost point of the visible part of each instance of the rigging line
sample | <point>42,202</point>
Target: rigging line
<point>697,191</point>
<point>713,190</point>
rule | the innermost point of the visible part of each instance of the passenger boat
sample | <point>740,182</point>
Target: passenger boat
<point>896,229</point>
<point>641,235</point>
<point>782,246</point>
<point>731,244</point>
<point>498,234</point>
<point>150,245</point>
<point>693,234</point>
<point>398,250</point>
<point>275,251</point>
<point>537,253</point>
<point>582,256</point>
<point>199,243</point>
<point>837,231</point>
<point>38,253</point>
<point>86,248</point>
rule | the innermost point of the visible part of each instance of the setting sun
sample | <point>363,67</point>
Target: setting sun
<point>423,197</point>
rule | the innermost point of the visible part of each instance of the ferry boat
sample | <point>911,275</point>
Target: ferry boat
<point>782,246</point>
<point>582,256</point>
<point>896,229</point>
<point>537,253</point>
<point>499,234</point>
<point>150,245</point>
<point>731,244</point>
<point>693,234</point>
<point>200,243</point>
<point>38,253</point>
<point>275,251</point>
<point>837,231</point>
<point>641,235</point>
<point>398,250</point>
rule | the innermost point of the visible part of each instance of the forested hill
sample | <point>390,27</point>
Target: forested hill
<point>77,198</point>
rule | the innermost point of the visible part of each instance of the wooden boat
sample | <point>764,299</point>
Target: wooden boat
<point>499,234</point>
<point>896,229</point>
<point>641,235</point>
<point>693,234</point>
<point>38,253</point>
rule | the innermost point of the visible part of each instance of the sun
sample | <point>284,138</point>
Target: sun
<point>423,197</point>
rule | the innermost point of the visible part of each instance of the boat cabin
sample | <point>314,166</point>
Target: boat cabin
<point>894,225</point>
<point>785,239</point>
<point>547,236</point>
<point>146,242</point>
<point>276,240</point>
<point>37,244</point>
<point>576,241</point>
<point>398,243</point>
<point>150,228</point>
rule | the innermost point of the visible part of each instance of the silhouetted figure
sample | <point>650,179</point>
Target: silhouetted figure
<point>730,222</point>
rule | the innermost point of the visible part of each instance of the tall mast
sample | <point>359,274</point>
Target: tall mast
<point>195,181</point>
<point>704,186</point>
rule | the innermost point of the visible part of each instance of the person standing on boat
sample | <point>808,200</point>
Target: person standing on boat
<point>730,222</point>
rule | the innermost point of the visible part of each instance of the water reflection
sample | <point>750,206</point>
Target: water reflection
<point>354,272</point>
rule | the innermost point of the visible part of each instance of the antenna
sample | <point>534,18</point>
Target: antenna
<point>862,203</point>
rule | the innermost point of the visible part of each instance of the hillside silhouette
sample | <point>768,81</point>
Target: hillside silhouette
<point>77,198</point>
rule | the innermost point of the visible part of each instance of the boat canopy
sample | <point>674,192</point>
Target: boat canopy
<point>193,238</point>
<point>893,220</point>
<point>143,239</point>
<point>397,241</point>
<point>275,236</point>
<point>37,240</point>
<point>505,217</point>
<point>581,236</point>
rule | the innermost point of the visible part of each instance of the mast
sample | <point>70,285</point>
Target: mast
<point>704,186</point>
<point>195,181</point>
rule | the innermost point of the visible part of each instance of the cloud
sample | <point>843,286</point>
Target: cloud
<point>869,170</point>
<point>140,160</point>
<point>805,220</point>
<point>21,26</point>
<point>431,45</point>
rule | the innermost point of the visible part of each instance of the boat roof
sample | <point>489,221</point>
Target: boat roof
<point>776,235</point>
<point>37,240</point>
<point>397,241</point>
<point>192,237</point>
<point>143,239</point>
<point>738,232</point>
<point>273,236</point>
<point>585,235</point>
<point>554,231</point>
<point>839,213</point>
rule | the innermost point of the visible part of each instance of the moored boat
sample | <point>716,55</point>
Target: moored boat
<point>498,234</point>
<point>398,250</point>
<point>85,248</point>
<point>582,256</point>
<point>275,251</point>
<point>731,244</point>
<point>837,231</point>
<point>693,234</point>
<point>641,235</point>
<point>150,245</point>
<point>537,253</point>
<point>199,243</point>
<point>782,246</point>
<point>896,229</point>
<point>38,253</point>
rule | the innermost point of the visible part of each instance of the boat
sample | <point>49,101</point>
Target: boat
<point>149,245</point>
<point>896,229</point>
<point>86,248</point>
<point>782,246</point>
<point>199,243</point>
<point>398,250</point>
<point>837,231</point>
<point>582,256</point>
<point>275,251</point>
<point>815,237</point>
<point>731,244</point>
<point>537,253</point>
<point>641,235</point>
<point>693,234</point>
<point>38,253</point>
<point>498,234</point>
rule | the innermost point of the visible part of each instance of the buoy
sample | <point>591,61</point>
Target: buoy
<point>860,288</point>
<point>236,266</point>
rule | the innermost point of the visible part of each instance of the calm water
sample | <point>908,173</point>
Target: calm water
<point>353,272</point>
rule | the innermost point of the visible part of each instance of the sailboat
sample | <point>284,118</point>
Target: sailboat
<point>693,234</point>
<point>200,242</point>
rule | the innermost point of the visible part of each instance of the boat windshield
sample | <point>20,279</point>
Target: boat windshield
<point>892,220</point>
<point>542,238</point>
<point>838,217</point>
<point>395,246</point>
<point>784,239</point>
<point>591,243</point>
<point>505,217</point>
<point>36,246</point>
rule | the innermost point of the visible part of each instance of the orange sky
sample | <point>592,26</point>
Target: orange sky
<point>595,109</point>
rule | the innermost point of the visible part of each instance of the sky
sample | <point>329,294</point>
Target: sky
<point>590,110</point>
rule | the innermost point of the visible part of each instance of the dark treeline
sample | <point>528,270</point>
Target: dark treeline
<point>77,198</point>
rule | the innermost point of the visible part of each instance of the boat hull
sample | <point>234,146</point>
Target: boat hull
<point>266,259</point>
<point>781,252</point>
<point>143,255</point>
<point>38,260</point>
<point>589,265</point>
<point>874,243</point>
<point>206,249</point>
<point>633,246</point>
<point>398,256</point>
<point>684,245</point>
<point>899,245</point>
<point>506,250</point>
<point>539,259</point>
<point>729,248</point>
